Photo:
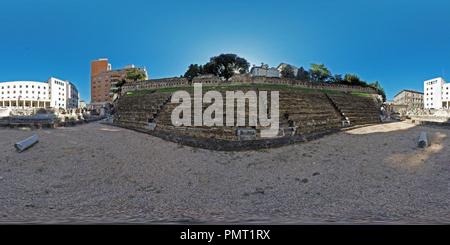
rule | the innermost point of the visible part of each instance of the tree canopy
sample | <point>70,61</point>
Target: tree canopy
<point>288,72</point>
<point>193,71</point>
<point>302,74</point>
<point>135,75</point>
<point>119,85</point>
<point>229,64</point>
<point>319,73</point>
<point>224,65</point>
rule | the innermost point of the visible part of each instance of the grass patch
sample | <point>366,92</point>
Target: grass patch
<point>284,87</point>
<point>138,92</point>
<point>360,94</point>
<point>225,86</point>
<point>331,92</point>
<point>169,89</point>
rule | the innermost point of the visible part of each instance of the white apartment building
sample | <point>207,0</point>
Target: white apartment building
<point>436,93</point>
<point>72,96</point>
<point>264,70</point>
<point>81,104</point>
<point>282,65</point>
<point>29,94</point>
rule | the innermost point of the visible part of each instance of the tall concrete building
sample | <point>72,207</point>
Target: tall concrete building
<point>436,93</point>
<point>103,80</point>
<point>409,98</point>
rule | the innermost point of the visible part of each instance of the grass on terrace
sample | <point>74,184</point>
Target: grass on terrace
<point>331,92</point>
<point>138,92</point>
<point>360,94</point>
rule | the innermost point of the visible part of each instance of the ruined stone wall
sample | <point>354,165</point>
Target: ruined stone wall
<point>241,79</point>
<point>155,84</point>
<point>207,80</point>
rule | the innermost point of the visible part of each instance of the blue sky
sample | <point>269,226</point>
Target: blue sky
<point>399,43</point>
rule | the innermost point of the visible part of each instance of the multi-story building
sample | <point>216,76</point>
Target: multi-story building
<point>409,98</point>
<point>436,93</point>
<point>72,96</point>
<point>29,94</point>
<point>82,104</point>
<point>103,80</point>
<point>264,70</point>
<point>282,65</point>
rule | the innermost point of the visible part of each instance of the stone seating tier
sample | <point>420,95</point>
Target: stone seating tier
<point>306,110</point>
<point>292,116</point>
<point>318,127</point>
<point>317,121</point>
<point>356,109</point>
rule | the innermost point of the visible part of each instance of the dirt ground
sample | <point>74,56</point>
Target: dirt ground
<point>97,173</point>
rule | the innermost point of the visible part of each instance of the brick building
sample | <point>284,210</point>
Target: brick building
<point>103,80</point>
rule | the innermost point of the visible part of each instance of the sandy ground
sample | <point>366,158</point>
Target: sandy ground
<point>97,173</point>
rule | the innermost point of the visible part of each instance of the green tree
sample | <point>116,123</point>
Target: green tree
<point>379,89</point>
<point>375,85</point>
<point>351,79</point>
<point>288,72</point>
<point>302,74</point>
<point>193,71</point>
<point>319,73</point>
<point>135,75</point>
<point>210,68</point>
<point>337,78</point>
<point>119,85</point>
<point>226,65</point>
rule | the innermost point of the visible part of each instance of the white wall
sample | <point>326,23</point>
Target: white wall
<point>58,91</point>
<point>434,93</point>
<point>28,90</point>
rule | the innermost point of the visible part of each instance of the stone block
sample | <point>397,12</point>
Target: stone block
<point>150,126</point>
<point>246,134</point>
<point>288,131</point>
